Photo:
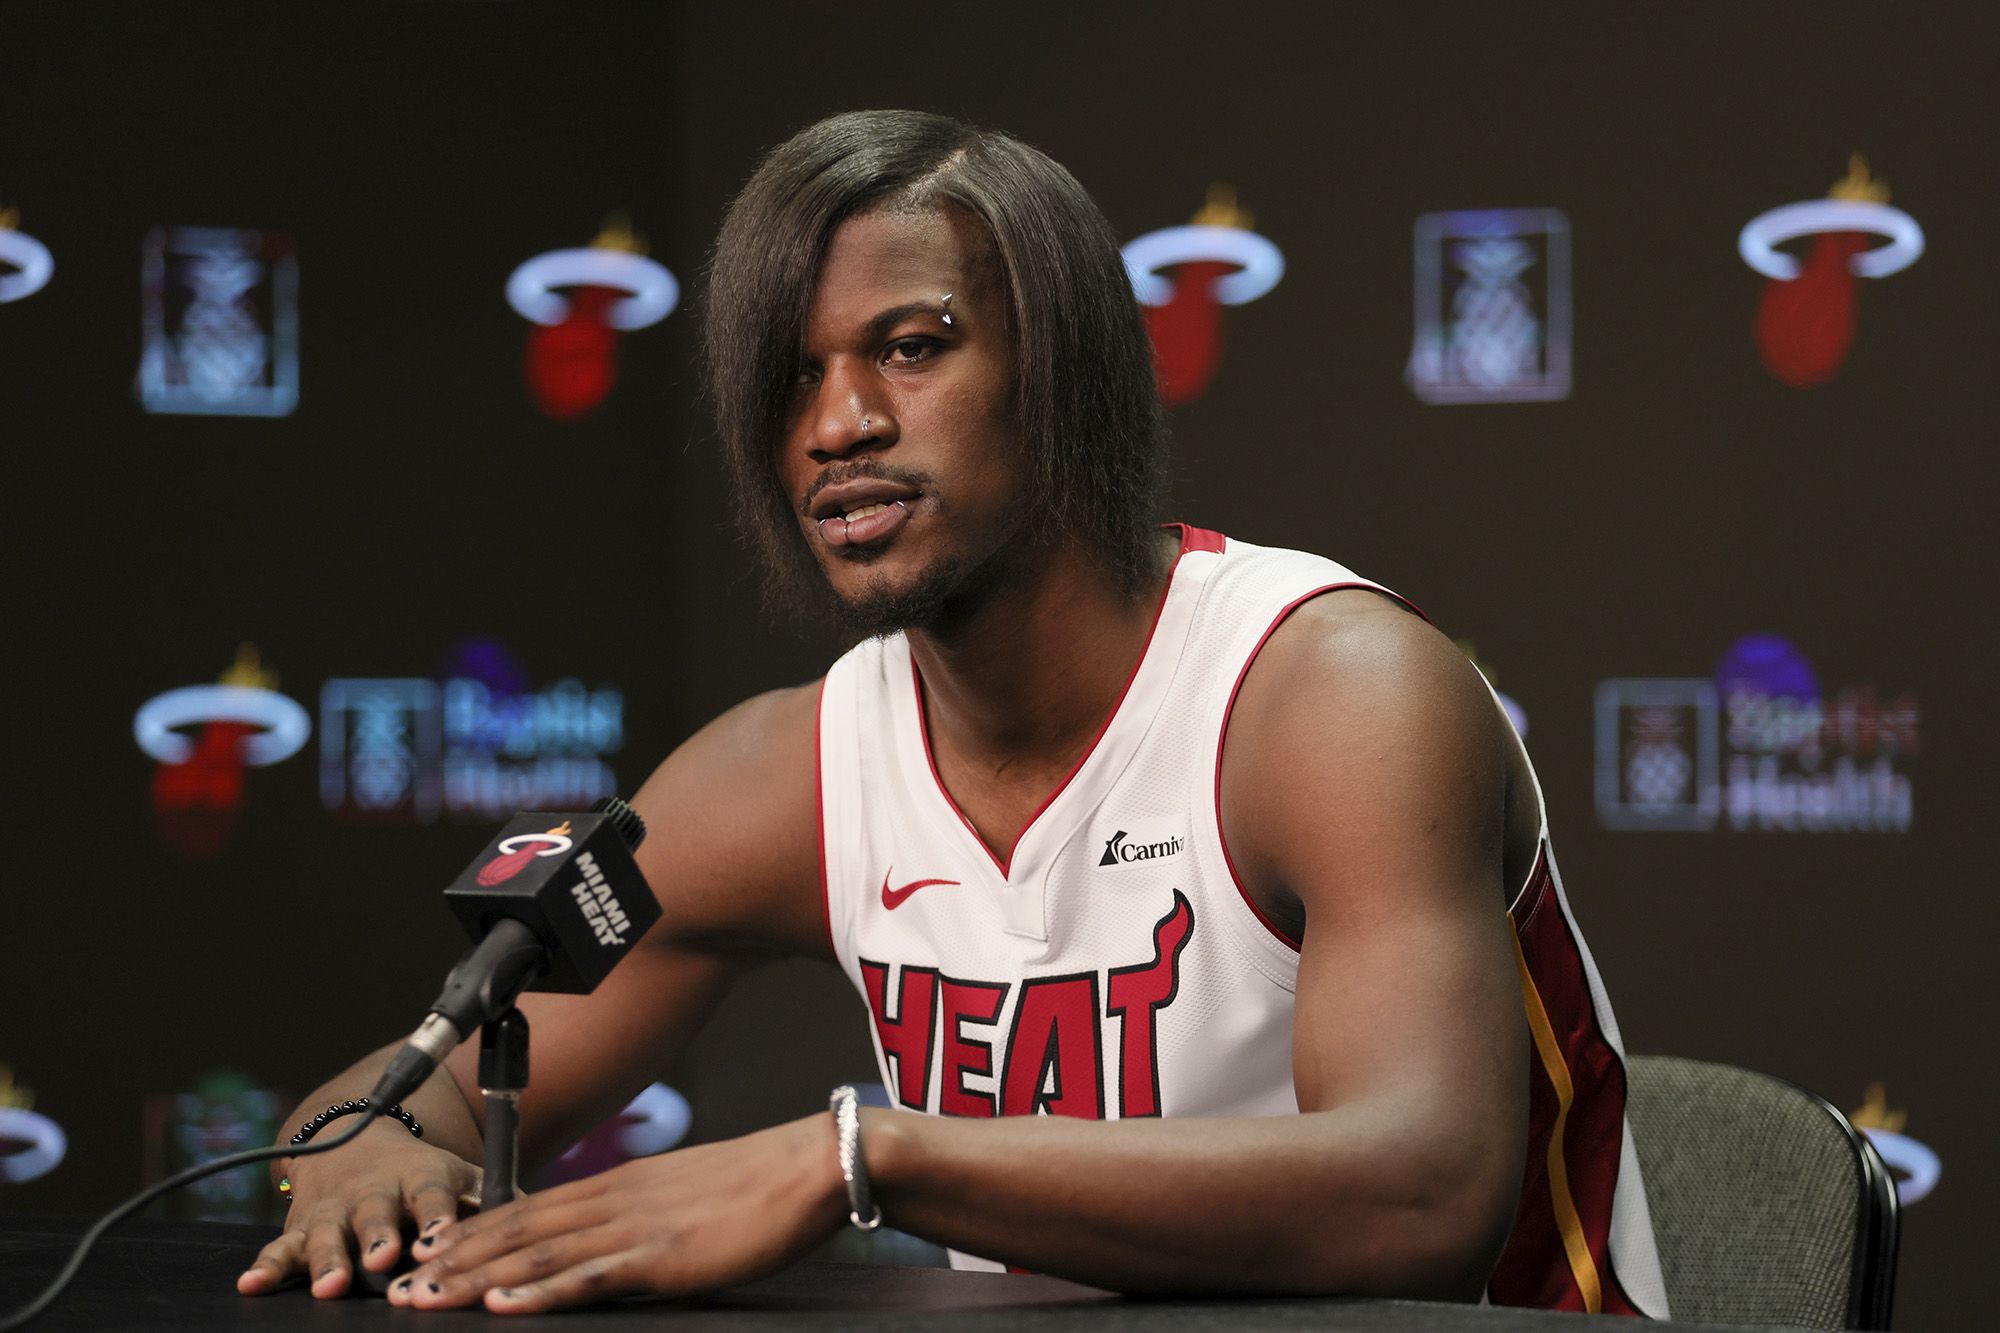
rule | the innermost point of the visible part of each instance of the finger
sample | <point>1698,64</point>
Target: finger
<point>377,1223</point>
<point>476,1242</point>
<point>275,1266</point>
<point>327,1244</point>
<point>433,1204</point>
<point>474,1224</point>
<point>436,1286</point>
<point>601,1279</point>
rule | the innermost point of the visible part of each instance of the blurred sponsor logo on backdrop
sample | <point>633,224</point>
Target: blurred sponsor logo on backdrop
<point>1183,276</point>
<point>571,361</point>
<point>477,744</point>
<point>1759,746</point>
<point>221,322</point>
<point>31,1145</point>
<point>1915,1167</point>
<point>25,263</point>
<point>1492,306</point>
<point>1806,314</point>
<point>225,1112</point>
<point>653,1122</point>
<point>204,737</point>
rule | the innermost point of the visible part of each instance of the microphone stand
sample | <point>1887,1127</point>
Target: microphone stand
<point>503,1073</point>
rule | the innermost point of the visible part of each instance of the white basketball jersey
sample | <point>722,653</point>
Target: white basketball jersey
<point>1112,966</point>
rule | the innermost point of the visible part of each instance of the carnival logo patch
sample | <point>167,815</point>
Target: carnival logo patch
<point>1144,842</point>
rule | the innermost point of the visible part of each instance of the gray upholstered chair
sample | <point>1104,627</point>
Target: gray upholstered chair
<point>1768,1206</point>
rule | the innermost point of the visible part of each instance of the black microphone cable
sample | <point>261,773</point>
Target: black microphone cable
<point>132,1205</point>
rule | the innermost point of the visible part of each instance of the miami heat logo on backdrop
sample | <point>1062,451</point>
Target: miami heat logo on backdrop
<point>25,263</point>
<point>240,722</point>
<point>1806,314</point>
<point>1216,261</point>
<point>572,356</point>
<point>516,852</point>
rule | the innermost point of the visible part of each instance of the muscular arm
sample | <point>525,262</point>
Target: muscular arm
<point>732,855</point>
<point>732,859</point>
<point>1364,793</point>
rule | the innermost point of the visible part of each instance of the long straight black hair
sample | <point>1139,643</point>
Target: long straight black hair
<point>1086,401</point>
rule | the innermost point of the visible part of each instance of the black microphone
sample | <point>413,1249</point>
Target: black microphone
<point>552,904</point>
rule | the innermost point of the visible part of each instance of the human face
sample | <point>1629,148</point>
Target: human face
<point>901,456</point>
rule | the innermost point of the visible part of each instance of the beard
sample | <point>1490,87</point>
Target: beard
<point>934,600</point>
<point>944,595</point>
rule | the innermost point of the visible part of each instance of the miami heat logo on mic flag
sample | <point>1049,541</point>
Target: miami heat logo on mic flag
<point>1216,261</point>
<point>25,263</point>
<point>240,722</point>
<point>516,852</point>
<point>1806,313</point>
<point>572,355</point>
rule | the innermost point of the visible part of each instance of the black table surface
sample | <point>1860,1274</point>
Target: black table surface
<point>148,1275</point>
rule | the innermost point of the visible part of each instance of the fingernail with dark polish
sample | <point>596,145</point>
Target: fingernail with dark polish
<point>433,1287</point>
<point>376,1246</point>
<point>404,1285</point>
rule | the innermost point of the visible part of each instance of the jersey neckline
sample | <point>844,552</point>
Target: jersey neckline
<point>1145,689</point>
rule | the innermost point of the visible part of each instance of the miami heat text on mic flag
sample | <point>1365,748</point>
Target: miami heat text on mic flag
<point>571,879</point>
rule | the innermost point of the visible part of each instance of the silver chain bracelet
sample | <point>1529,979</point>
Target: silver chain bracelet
<point>846,1107</point>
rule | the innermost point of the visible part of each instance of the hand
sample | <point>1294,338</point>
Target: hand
<point>353,1200</point>
<point>682,1222</point>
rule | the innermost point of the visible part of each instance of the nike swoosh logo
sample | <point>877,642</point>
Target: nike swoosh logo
<point>893,898</point>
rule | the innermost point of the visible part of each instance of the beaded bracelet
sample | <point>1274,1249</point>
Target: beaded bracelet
<point>393,1111</point>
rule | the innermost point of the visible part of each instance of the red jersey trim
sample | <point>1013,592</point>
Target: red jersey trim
<point>1199,539</point>
<point>1192,539</point>
<point>1222,741</point>
<point>819,810</point>
<point>1558,1255</point>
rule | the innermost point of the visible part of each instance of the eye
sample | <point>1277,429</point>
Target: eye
<point>904,351</point>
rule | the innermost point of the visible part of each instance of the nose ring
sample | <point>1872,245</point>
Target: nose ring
<point>864,424</point>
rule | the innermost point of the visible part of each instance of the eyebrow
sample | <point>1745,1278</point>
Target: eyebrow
<point>896,314</point>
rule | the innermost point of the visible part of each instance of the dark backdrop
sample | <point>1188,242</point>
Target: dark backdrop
<point>1679,498</point>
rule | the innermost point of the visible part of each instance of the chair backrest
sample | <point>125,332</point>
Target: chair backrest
<point>1768,1206</point>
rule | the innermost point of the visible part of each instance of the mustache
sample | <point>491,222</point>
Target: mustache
<point>865,469</point>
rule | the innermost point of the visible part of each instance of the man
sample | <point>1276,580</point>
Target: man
<point>1176,872</point>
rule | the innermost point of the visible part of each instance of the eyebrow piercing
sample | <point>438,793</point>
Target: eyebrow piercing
<point>946,303</point>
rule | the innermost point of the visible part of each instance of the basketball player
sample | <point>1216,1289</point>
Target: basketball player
<point>1199,892</point>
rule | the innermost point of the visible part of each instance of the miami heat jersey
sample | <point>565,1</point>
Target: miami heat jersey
<point>1112,966</point>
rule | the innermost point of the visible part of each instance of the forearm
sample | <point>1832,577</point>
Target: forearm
<point>437,1105</point>
<point>1334,1201</point>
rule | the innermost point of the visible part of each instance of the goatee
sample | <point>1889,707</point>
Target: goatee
<point>941,596</point>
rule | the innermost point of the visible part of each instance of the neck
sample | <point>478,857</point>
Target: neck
<point>1027,680</point>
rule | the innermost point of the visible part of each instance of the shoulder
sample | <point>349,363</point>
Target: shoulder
<point>734,852</point>
<point>1359,657</point>
<point>1360,733</point>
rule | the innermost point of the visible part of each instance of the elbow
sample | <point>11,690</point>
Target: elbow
<point>1437,1235</point>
